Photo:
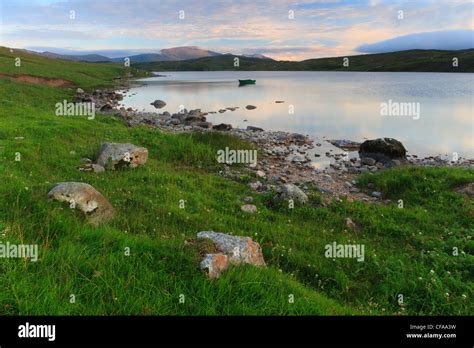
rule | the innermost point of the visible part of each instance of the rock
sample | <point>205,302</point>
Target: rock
<point>106,107</point>
<point>297,158</point>
<point>91,202</point>
<point>466,189</point>
<point>174,121</point>
<point>328,179</point>
<point>396,162</point>
<point>215,264</point>
<point>260,173</point>
<point>347,145</point>
<point>232,250</point>
<point>194,118</point>
<point>195,112</point>
<point>249,208</point>
<point>298,138</point>
<point>113,155</point>
<point>221,111</point>
<point>248,199</point>
<point>350,224</point>
<point>254,129</point>
<point>158,104</point>
<point>279,101</point>
<point>96,168</point>
<point>250,107</point>
<point>206,125</point>
<point>376,194</point>
<point>279,150</point>
<point>383,150</point>
<point>222,127</point>
<point>79,91</point>
<point>91,167</point>
<point>379,165</point>
<point>256,185</point>
<point>291,191</point>
<point>368,161</point>
<point>86,160</point>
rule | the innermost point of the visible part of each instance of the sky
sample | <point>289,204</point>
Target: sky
<point>280,29</point>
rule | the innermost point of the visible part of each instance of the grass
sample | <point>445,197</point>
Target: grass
<point>409,251</point>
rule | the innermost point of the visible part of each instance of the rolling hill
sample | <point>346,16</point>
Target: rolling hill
<point>409,61</point>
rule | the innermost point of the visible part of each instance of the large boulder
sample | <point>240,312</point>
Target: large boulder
<point>113,155</point>
<point>83,196</point>
<point>383,150</point>
<point>158,104</point>
<point>231,250</point>
<point>222,127</point>
<point>293,192</point>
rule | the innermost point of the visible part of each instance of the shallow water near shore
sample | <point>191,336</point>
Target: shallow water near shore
<point>328,105</point>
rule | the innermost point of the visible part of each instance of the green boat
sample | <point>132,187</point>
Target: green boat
<point>246,82</point>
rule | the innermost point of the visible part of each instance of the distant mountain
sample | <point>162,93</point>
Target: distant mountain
<point>143,58</point>
<point>93,58</point>
<point>186,53</point>
<point>165,55</point>
<point>412,61</point>
<point>169,54</point>
<point>258,56</point>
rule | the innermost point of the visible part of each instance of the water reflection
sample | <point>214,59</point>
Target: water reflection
<point>338,105</point>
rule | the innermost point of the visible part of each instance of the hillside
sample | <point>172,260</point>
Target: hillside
<point>408,251</point>
<point>168,54</point>
<point>410,61</point>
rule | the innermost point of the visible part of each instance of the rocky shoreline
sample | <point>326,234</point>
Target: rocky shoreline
<point>286,156</point>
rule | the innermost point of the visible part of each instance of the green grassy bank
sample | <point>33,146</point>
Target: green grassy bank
<point>408,251</point>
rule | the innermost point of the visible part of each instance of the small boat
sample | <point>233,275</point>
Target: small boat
<point>246,82</point>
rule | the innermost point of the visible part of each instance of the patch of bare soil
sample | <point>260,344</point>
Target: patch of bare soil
<point>37,80</point>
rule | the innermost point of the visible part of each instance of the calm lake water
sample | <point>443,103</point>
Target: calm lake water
<point>334,105</point>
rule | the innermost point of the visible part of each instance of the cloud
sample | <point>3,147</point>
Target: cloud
<point>441,40</point>
<point>320,28</point>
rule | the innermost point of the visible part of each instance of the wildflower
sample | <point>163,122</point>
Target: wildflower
<point>432,272</point>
